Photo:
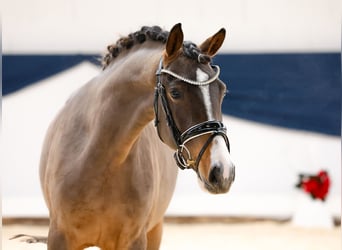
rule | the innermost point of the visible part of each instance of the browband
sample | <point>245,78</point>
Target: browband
<point>191,81</point>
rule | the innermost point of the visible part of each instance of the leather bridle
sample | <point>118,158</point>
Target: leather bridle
<point>212,128</point>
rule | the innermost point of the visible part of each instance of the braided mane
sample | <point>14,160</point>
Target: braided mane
<point>153,33</point>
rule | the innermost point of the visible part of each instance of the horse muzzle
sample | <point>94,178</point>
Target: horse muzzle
<point>217,182</point>
<point>219,176</point>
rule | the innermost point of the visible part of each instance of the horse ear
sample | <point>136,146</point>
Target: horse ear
<point>174,41</point>
<point>214,43</point>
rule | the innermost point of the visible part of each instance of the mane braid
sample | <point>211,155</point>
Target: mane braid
<point>154,33</point>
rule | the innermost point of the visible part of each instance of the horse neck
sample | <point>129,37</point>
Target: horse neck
<point>127,100</point>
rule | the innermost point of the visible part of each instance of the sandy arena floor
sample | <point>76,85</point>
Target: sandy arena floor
<point>237,236</point>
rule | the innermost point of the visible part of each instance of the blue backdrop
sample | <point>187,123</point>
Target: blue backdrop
<point>301,91</point>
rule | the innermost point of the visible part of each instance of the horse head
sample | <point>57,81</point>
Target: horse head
<point>190,95</point>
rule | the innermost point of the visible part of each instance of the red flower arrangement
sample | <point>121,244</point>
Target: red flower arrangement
<point>315,185</point>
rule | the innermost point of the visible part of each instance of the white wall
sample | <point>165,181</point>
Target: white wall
<point>45,26</point>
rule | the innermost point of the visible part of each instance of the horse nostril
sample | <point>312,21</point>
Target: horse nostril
<point>215,175</point>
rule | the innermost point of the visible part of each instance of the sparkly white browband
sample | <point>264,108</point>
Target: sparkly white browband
<point>215,67</point>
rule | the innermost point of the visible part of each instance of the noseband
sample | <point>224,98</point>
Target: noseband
<point>211,128</point>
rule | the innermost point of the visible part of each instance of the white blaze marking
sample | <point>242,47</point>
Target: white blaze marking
<point>219,152</point>
<point>201,77</point>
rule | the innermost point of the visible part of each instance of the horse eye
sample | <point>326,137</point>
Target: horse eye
<point>175,94</point>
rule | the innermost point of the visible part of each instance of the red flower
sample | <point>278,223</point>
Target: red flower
<point>315,185</point>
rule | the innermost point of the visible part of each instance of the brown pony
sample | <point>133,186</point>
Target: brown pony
<point>107,171</point>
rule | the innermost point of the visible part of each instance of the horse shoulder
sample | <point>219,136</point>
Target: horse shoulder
<point>161,168</point>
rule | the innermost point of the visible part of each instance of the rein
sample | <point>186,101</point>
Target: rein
<point>213,128</point>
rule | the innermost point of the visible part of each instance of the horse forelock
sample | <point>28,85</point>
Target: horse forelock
<point>191,50</point>
<point>153,33</point>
